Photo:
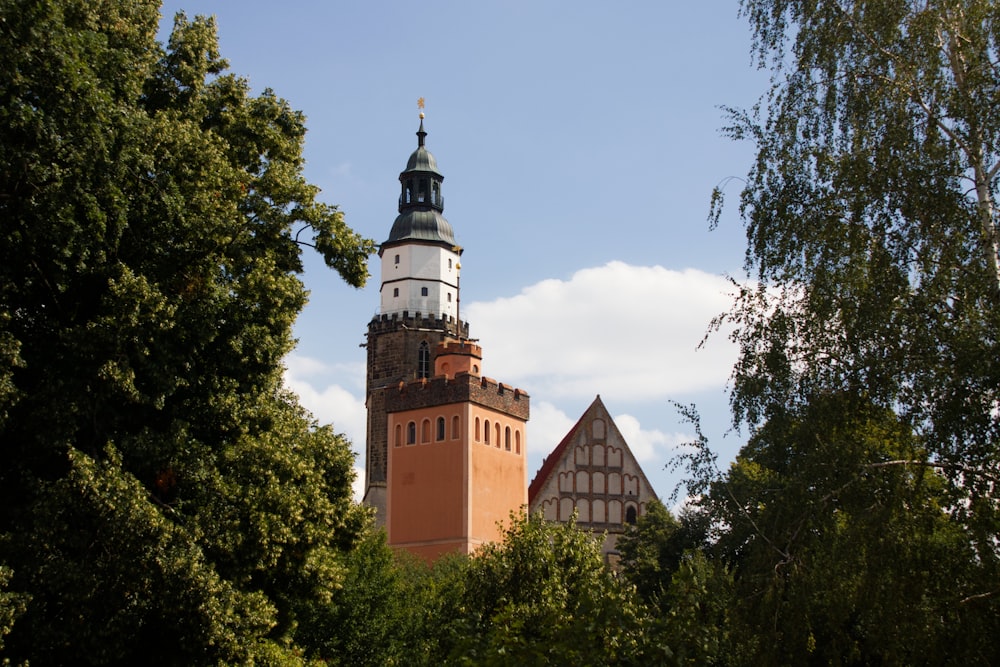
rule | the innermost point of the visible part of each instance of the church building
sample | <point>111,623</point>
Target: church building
<point>446,445</point>
<point>592,474</point>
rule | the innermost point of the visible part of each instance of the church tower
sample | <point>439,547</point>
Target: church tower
<point>419,304</point>
<point>446,447</point>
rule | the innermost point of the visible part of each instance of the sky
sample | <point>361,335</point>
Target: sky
<point>580,143</point>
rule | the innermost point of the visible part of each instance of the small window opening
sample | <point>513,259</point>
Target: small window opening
<point>423,291</point>
<point>423,361</point>
<point>440,428</point>
<point>411,433</point>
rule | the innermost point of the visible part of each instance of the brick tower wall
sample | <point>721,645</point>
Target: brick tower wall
<point>393,349</point>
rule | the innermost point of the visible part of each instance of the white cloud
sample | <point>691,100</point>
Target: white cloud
<point>358,487</point>
<point>330,403</point>
<point>626,332</point>
<point>634,341</point>
<point>650,445</point>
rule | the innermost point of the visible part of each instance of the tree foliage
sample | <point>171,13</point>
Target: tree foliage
<point>871,219</point>
<point>541,596</point>
<point>859,522</point>
<point>162,499</point>
<point>831,527</point>
<point>873,231</point>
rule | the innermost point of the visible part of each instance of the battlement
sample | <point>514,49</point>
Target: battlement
<point>463,347</point>
<point>388,322</point>
<point>442,390</point>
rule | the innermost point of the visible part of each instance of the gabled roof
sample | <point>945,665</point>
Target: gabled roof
<point>596,409</point>
<point>553,459</point>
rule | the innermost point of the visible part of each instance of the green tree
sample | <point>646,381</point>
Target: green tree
<point>842,548</point>
<point>162,499</point>
<point>873,233</point>
<point>687,593</point>
<point>651,551</point>
<point>542,596</point>
<point>370,619</point>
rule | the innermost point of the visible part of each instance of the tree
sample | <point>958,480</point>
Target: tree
<point>162,499</point>
<point>842,549</point>
<point>542,596</point>
<point>687,594</point>
<point>873,231</point>
<point>651,551</point>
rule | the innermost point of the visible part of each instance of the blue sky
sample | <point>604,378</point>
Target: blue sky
<point>579,141</point>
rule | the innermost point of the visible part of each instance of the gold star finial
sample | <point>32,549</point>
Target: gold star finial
<point>420,105</point>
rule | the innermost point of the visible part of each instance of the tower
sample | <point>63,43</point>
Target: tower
<point>446,447</point>
<point>419,304</point>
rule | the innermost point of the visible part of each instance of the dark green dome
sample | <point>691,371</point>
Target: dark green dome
<point>420,200</point>
<point>421,225</point>
<point>422,160</point>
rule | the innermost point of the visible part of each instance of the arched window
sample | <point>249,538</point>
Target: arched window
<point>399,435</point>
<point>517,442</point>
<point>440,428</point>
<point>506,438</point>
<point>397,259</point>
<point>486,430</point>
<point>630,515</point>
<point>425,430</point>
<point>423,291</point>
<point>455,425</point>
<point>424,360</point>
<point>411,433</point>
<point>498,435</point>
<point>477,429</point>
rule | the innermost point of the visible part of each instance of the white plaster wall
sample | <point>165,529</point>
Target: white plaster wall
<point>420,266</point>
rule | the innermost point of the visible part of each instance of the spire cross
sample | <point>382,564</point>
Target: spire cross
<point>420,133</point>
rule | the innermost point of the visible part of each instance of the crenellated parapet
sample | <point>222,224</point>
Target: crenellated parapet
<point>389,322</point>
<point>463,387</point>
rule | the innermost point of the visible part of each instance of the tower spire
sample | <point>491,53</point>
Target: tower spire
<point>420,133</point>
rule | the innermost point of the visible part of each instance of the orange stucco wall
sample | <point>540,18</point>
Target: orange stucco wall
<point>448,495</point>
<point>499,477</point>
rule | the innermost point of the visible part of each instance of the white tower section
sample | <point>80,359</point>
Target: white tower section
<point>420,278</point>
